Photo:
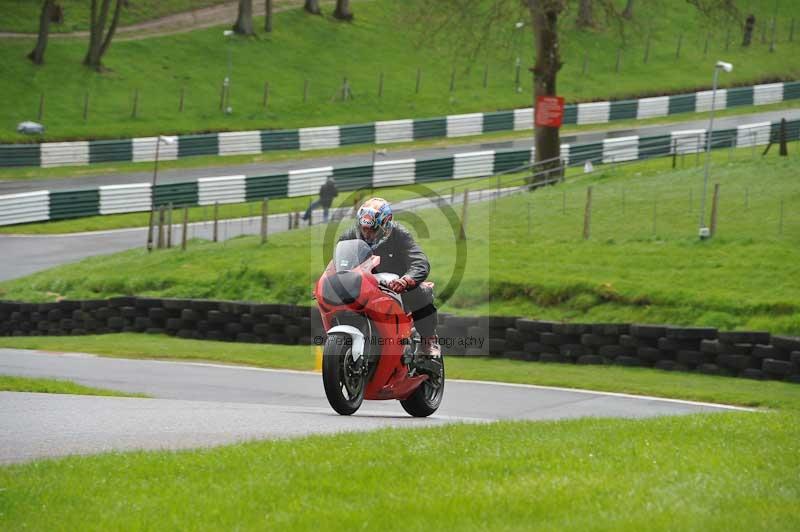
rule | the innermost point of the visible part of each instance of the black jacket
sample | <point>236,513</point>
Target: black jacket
<point>399,253</point>
<point>327,192</point>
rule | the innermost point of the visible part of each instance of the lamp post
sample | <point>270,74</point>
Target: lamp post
<point>727,67</point>
<point>227,82</point>
<point>159,140</point>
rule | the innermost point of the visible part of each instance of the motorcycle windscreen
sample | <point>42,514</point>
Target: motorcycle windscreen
<point>341,288</point>
<point>350,253</point>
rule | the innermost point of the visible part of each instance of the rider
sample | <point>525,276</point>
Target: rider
<point>400,255</point>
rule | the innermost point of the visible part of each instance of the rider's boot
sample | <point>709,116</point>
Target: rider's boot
<point>429,346</point>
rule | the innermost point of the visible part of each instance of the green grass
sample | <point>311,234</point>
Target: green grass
<point>25,384</point>
<point>733,471</point>
<point>324,51</point>
<point>627,271</point>
<point>129,345</point>
<point>22,16</point>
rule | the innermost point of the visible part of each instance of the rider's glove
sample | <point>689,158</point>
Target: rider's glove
<point>402,284</point>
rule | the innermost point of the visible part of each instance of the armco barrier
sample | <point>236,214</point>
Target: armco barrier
<point>113,199</point>
<point>757,355</point>
<point>50,154</point>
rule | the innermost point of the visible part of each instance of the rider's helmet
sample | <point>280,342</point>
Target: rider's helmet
<point>374,221</point>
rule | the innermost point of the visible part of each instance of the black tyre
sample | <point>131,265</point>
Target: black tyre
<point>427,398</point>
<point>342,377</point>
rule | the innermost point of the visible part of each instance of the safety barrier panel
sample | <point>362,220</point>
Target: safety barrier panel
<point>113,199</point>
<point>50,154</point>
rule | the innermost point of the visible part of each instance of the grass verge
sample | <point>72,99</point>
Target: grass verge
<point>25,384</point>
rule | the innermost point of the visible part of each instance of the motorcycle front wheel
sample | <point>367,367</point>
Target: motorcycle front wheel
<point>343,378</point>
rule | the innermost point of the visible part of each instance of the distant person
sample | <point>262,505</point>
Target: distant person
<point>327,193</point>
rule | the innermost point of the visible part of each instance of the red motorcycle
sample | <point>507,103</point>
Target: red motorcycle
<point>371,346</point>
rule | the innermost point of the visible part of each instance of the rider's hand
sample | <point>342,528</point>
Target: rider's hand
<point>402,284</point>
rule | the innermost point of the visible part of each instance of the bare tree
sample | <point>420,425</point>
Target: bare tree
<point>99,38</point>
<point>49,10</point>
<point>268,16</point>
<point>343,11</point>
<point>585,17</point>
<point>312,6</point>
<point>628,11</point>
<point>244,20</point>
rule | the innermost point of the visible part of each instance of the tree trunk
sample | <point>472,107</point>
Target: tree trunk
<point>99,41</point>
<point>544,14</point>
<point>312,6</point>
<point>628,11</point>
<point>244,21</point>
<point>585,18</point>
<point>37,54</point>
<point>343,11</point>
<point>268,16</point>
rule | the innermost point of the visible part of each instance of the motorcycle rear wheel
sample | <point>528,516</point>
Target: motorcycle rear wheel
<point>344,388</point>
<point>426,399</point>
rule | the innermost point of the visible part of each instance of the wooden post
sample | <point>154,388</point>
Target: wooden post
<point>486,76</point>
<point>180,105</point>
<point>674,152</point>
<point>160,242</point>
<point>290,221</point>
<point>305,91</point>
<point>41,107</point>
<point>264,219</point>
<point>678,48</point>
<point>169,226</point>
<point>185,228</point>
<point>714,208</point>
<point>419,80</point>
<point>462,234</point>
<point>297,220</point>
<point>151,228</point>
<point>265,101</point>
<point>216,222</point>
<point>135,110</point>
<point>380,85</point>
<point>517,66</point>
<point>647,49</point>
<point>86,106</point>
<point>587,215</point>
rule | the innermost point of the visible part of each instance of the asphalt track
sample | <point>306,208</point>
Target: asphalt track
<point>202,404</point>
<point>252,169</point>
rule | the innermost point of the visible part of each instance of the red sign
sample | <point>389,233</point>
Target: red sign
<point>549,111</point>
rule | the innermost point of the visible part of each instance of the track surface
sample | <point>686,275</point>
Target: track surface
<point>197,405</point>
<point>252,169</point>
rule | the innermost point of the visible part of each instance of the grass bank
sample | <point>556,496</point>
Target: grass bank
<point>324,51</point>
<point>526,255</point>
<point>25,384</point>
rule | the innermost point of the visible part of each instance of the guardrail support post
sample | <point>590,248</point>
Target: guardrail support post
<point>216,222</point>
<point>264,219</point>
<point>587,215</point>
<point>160,243</point>
<point>185,227</point>
<point>169,226</point>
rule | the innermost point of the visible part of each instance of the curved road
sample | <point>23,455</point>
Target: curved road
<point>199,404</point>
